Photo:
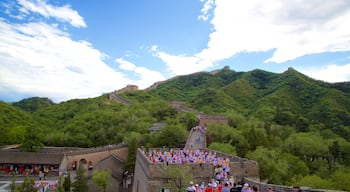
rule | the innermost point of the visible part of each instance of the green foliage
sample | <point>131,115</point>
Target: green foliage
<point>13,183</point>
<point>314,181</point>
<point>223,147</point>
<point>102,178</point>
<point>189,119</point>
<point>28,185</point>
<point>292,125</point>
<point>278,167</point>
<point>341,180</point>
<point>172,136</point>
<point>178,177</point>
<point>306,145</point>
<point>133,144</point>
<point>60,187</point>
<point>33,104</point>
<point>11,117</point>
<point>222,133</point>
<point>67,183</point>
<point>290,98</point>
<point>210,100</point>
<point>81,181</point>
<point>32,139</point>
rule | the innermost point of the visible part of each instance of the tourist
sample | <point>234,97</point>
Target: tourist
<point>226,188</point>
<point>255,188</point>
<point>246,188</point>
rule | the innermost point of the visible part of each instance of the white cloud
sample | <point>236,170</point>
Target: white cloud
<point>125,65</point>
<point>64,13</point>
<point>293,28</point>
<point>181,65</point>
<point>146,76</point>
<point>331,73</point>
<point>208,5</point>
<point>39,59</point>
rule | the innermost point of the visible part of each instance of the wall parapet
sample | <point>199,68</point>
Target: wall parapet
<point>82,151</point>
<point>281,188</point>
<point>151,176</point>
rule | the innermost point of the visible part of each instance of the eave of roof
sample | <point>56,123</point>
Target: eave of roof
<point>30,158</point>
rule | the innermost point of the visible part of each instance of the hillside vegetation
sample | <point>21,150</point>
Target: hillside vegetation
<point>297,128</point>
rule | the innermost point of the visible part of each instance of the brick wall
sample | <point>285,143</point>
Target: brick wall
<point>279,188</point>
<point>95,155</point>
<point>205,120</point>
<point>152,177</point>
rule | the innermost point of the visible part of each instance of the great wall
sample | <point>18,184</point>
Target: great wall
<point>152,177</point>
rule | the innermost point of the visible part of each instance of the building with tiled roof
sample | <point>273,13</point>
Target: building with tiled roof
<point>31,163</point>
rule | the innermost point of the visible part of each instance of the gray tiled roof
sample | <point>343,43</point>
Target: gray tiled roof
<point>29,158</point>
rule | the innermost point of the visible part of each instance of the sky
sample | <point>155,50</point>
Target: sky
<point>66,49</point>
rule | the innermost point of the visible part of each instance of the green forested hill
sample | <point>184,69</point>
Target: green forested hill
<point>12,121</point>
<point>289,98</point>
<point>297,128</point>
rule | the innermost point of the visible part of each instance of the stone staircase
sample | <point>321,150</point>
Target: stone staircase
<point>196,139</point>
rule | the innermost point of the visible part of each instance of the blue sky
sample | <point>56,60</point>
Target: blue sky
<point>65,49</point>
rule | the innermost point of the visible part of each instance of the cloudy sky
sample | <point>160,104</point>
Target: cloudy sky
<point>65,49</point>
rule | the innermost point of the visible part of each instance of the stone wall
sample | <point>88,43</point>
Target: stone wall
<point>94,155</point>
<point>205,120</point>
<point>181,106</point>
<point>128,88</point>
<point>152,177</point>
<point>280,188</point>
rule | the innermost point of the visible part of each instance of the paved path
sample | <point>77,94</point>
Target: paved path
<point>4,186</point>
<point>196,140</point>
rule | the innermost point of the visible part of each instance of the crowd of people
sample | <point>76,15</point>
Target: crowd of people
<point>183,156</point>
<point>222,179</point>
<point>221,165</point>
<point>200,157</point>
<point>217,186</point>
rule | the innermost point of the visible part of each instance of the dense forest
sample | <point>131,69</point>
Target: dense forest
<point>297,128</point>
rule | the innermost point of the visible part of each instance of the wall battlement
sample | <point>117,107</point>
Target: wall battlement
<point>205,119</point>
<point>151,176</point>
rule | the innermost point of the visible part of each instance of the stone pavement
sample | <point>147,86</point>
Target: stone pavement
<point>4,186</point>
<point>196,140</point>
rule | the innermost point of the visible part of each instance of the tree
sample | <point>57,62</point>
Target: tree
<point>67,183</point>
<point>60,187</point>
<point>178,176</point>
<point>28,185</point>
<point>172,136</point>
<point>315,182</point>
<point>276,167</point>
<point>17,134</point>
<point>306,145</point>
<point>102,178</point>
<point>80,184</point>
<point>223,147</point>
<point>13,183</point>
<point>32,139</point>
<point>221,133</point>
<point>189,119</point>
<point>131,158</point>
<point>341,179</point>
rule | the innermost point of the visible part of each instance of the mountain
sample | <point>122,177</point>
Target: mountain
<point>290,98</point>
<point>296,127</point>
<point>33,104</point>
